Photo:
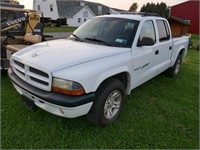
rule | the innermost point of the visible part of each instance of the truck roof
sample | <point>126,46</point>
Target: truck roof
<point>131,16</point>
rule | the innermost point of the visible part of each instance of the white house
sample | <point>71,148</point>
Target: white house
<point>49,7</point>
<point>80,17</point>
<point>75,11</point>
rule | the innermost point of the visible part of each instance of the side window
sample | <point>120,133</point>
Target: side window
<point>147,33</point>
<point>163,30</point>
<point>167,29</point>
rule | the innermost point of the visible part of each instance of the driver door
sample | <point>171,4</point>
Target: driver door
<point>145,56</point>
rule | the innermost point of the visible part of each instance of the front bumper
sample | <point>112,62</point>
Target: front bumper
<point>58,104</point>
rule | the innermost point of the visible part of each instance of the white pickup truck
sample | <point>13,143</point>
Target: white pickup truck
<point>93,70</point>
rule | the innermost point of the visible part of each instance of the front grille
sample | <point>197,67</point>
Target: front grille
<point>19,64</point>
<point>34,76</point>
<point>33,70</point>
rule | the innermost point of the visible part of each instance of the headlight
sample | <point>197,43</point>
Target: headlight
<point>67,87</point>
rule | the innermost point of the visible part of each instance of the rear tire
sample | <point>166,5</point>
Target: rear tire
<point>108,104</point>
<point>174,70</point>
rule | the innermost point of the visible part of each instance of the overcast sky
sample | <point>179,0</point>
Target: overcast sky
<point>120,4</point>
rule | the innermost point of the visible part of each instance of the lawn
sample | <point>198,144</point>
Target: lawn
<point>59,29</point>
<point>161,114</point>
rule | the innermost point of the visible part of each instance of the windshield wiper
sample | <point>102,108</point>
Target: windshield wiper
<point>98,40</point>
<point>77,37</point>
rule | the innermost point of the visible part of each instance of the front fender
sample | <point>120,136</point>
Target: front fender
<point>115,71</point>
<point>91,74</point>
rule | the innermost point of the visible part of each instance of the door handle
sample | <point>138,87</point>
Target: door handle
<point>170,48</point>
<point>156,52</point>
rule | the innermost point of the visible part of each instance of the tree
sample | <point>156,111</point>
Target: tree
<point>133,7</point>
<point>16,2</point>
<point>160,8</point>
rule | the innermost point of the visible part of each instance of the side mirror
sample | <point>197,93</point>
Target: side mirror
<point>146,41</point>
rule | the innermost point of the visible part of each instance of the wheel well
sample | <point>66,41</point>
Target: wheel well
<point>123,77</point>
<point>182,52</point>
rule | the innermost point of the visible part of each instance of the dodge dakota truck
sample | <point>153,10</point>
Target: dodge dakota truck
<point>91,72</point>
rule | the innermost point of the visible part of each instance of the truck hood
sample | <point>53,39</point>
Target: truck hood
<point>59,54</point>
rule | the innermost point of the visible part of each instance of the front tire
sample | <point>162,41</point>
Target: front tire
<point>108,104</point>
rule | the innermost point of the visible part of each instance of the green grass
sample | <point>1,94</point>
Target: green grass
<point>162,113</point>
<point>59,29</point>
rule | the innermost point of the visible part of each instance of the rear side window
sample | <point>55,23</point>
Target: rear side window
<point>163,30</point>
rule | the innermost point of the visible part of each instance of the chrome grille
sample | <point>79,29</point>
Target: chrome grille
<point>34,76</point>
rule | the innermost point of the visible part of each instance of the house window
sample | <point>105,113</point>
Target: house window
<point>82,4</point>
<point>38,6</point>
<point>79,20</point>
<point>110,10</point>
<point>51,7</point>
<point>100,9</point>
<point>85,19</point>
<point>188,21</point>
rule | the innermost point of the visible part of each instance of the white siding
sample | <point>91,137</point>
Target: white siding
<point>45,6</point>
<point>84,14</point>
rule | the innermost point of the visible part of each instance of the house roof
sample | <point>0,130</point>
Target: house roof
<point>180,20</point>
<point>68,8</point>
<point>183,3</point>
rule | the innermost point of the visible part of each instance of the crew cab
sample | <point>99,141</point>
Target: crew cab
<point>91,72</point>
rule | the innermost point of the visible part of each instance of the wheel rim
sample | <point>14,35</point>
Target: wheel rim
<point>177,66</point>
<point>112,104</point>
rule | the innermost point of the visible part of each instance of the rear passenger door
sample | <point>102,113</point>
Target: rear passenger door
<point>164,45</point>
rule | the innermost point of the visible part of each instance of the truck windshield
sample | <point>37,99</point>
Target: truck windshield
<point>108,31</point>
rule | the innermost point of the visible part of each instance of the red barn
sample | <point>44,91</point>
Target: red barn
<point>188,11</point>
